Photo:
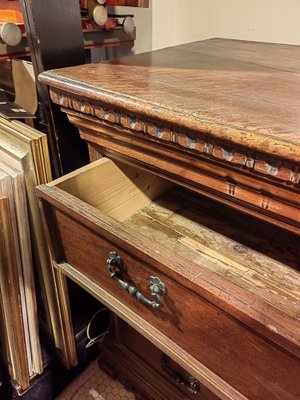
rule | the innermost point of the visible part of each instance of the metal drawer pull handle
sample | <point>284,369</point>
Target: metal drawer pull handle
<point>157,288</point>
<point>193,385</point>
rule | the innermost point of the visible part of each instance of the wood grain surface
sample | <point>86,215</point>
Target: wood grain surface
<point>134,359</point>
<point>212,267</point>
<point>245,190</point>
<point>223,344</point>
<point>220,118</point>
<point>222,279</point>
<point>13,339</point>
<point>217,116</point>
<point>243,92</point>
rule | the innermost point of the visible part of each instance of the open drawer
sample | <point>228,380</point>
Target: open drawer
<point>214,289</point>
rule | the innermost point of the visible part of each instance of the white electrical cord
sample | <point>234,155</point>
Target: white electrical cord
<point>99,338</point>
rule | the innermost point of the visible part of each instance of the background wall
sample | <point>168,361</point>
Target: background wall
<point>260,20</point>
<point>164,23</point>
<point>171,22</point>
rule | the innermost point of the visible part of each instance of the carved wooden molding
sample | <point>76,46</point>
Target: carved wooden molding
<point>236,187</point>
<point>204,145</point>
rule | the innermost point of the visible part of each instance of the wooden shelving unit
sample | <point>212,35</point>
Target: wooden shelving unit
<point>92,39</point>
<point>53,37</point>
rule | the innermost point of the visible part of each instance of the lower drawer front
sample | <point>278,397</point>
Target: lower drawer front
<point>249,363</point>
<point>162,364</point>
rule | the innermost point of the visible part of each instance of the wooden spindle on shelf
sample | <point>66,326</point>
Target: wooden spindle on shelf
<point>99,15</point>
<point>10,33</point>
<point>130,3</point>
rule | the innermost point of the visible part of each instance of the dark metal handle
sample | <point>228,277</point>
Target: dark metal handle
<point>157,288</point>
<point>193,385</point>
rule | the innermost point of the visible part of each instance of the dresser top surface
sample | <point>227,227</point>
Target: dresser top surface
<point>247,93</point>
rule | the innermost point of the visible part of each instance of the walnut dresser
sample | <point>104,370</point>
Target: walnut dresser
<point>186,222</point>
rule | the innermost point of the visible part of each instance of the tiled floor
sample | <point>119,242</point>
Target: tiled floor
<point>95,384</point>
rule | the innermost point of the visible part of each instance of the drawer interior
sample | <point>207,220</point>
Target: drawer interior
<point>223,240</point>
<point>252,254</point>
<point>116,189</point>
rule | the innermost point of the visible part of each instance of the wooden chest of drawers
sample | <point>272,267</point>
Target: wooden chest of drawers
<point>188,228</point>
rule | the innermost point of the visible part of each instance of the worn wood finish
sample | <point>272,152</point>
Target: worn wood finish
<point>210,87</point>
<point>137,363</point>
<point>227,348</point>
<point>219,117</point>
<point>226,110</point>
<point>263,315</point>
<point>26,149</point>
<point>183,358</point>
<point>182,252</point>
<point>241,189</point>
<point>12,331</point>
<point>66,352</point>
<point>179,222</point>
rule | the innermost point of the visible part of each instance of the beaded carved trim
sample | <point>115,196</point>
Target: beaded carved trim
<point>258,162</point>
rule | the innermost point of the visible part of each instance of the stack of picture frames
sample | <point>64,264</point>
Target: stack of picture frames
<point>26,277</point>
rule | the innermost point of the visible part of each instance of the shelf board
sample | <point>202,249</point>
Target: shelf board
<point>92,39</point>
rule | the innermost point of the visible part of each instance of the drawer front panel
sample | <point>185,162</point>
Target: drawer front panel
<point>152,356</point>
<point>220,342</point>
